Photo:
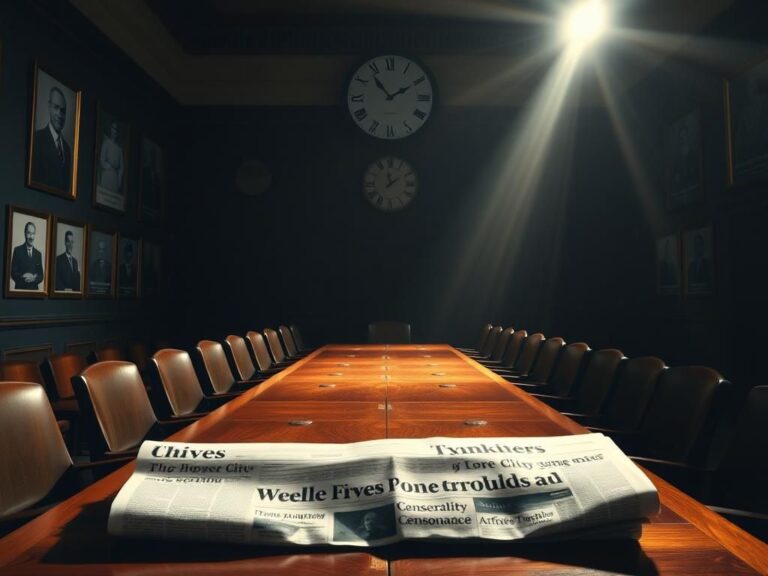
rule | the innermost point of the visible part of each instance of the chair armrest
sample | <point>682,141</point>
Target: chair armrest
<point>117,461</point>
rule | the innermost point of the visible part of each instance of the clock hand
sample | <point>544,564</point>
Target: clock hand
<point>400,91</point>
<point>392,182</point>
<point>381,87</point>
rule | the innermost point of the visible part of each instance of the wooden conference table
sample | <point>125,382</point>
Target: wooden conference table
<point>354,393</point>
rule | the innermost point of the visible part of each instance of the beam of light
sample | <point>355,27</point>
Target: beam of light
<point>585,22</point>
<point>488,264</point>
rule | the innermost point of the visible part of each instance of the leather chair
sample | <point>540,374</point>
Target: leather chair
<point>257,347</point>
<point>138,353</point>
<point>599,376</point>
<point>176,390</point>
<point>549,352</point>
<point>626,404</point>
<point>489,344</point>
<point>513,350</point>
<point>36,470</point>
<point>106,353</point>
<point>484,331</point>
<point>117,413</point>
<point>387,332</point>
<point>564,375</point>
<point>498,350</point>
<point>299,339</point>
<point>276,348</point>
<point>214,367</point>
<point>240,359</point>
<point>684,416</point>
<point>289,344</point>
<point>527,357</point>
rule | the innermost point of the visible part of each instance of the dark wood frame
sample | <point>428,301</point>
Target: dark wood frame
<point>679,253</point>
<point>138,261</point>
<point>684,252</point>
<point>113,253</point>
<point>52,292</point>
<point>696,192</point>
<point>98,141</point>
<point>31,182</point>
<point>143,215</point>
<point>9,247</point>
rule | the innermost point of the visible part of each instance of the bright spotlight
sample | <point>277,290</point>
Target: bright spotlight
<point>585,22</point>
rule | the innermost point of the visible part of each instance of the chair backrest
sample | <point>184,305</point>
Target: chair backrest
<point>33,454</point>
<point>258,349</point>
<point>288,342</point>
<point>527,356</point>
<point>21,371</point>
<point>138,353</point>
<point>215,366</point>
<point>490,342</point>
<point>61,368</point>
<point>676,424</point>
<point>176,386</point>
<point>388,332</point>
<point>298,338</point>
<point>627,401</point>
<point>114,402</point>
<point>484,332</point>
<point>108,353</point>
<point>514,347</point>
<point>237,352</point>
<point>599,376</point>
<point>274,345</point>
<point>549,351</point>
<point>501,344</point>
<point>568,367</point>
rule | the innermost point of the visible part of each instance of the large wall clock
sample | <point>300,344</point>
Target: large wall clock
<point>390,97</point>
<point>389,184</point>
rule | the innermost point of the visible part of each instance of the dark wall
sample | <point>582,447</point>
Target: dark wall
<point>608,294</point>
<point>311,249</point>
<point>71,50</point>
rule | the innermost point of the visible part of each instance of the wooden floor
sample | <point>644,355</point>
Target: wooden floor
<point>354,393</point>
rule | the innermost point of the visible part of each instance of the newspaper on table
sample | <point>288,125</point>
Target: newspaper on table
<point>383,491</point>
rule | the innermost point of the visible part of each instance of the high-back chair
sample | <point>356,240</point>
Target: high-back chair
<point>239,358</point>
<point>257,346</point>
<point>498,350</point>
<point>490,343</point>
<point>599,376</point>
<point>484,331</point>
<point>275,347</point>
<point>514,348</point>
<point>218,377</point>
<point>299,339</point>
<point>59,369</point>
<point>531,346</point>
<point>103,353</point>
<point>176,390</point>
<point>388,332</point>
<point>627,401</point>
<point>138,353</point>
<point>564,375</point>
<point>117,413</point>
<point>549,351</point>
<point>289,343</point>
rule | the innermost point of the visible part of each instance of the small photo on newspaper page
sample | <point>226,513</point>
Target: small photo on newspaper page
<point>367,525</point>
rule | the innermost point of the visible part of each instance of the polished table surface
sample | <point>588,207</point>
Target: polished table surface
<point>353,393</point>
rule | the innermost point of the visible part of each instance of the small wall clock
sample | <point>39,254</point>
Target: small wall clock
<point>390,97</point>
<point>390,184</point>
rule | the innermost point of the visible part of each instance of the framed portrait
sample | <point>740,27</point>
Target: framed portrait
<point>669,280</point>
<point>129,257</point>
<point>152,184</point>
<point>699,266</point>
<point>683,160</point>
<point>110,174</point>
<point>100,273</point>
<point>68,259</point>
<point>746,113</point>
<point>54,136</point>
<point>26,272</point>
<point>150,269</point>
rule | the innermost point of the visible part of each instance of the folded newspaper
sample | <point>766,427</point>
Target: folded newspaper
<point>383,491</point>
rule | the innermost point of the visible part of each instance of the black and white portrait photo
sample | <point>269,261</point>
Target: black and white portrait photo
<point>26,253</point>
<point>111,162</point>
<point>683,160</point>
<point>699,268</point>
<point>368,525</point>
<point>128,270</point>
<point>669,272</point>
<point>747,100</point>
<point>152,184</point>
<point>101,253</point>
<point>68,259</point>
<point>54,140</point>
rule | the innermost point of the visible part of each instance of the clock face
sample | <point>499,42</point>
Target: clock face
<point>390,97</point>
<point>389,184</point>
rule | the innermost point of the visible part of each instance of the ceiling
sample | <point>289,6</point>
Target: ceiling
<point>300,52</point>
